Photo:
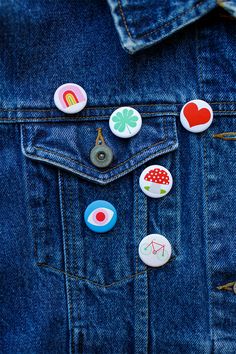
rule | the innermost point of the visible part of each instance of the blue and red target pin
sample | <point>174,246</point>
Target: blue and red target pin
<point>100,216</point>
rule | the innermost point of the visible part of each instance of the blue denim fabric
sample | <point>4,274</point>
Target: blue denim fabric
<point>64,288</point>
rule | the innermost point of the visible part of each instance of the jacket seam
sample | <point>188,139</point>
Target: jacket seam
<point>93,107</point>
<point>91,169</point>
<point>83,118</point>
<point>95,179</point>
<point>107,107</point>
<point>72,276</point>
<point>111,169</point>
<point>158,28</point>
<point>72,222</point>
<point>124,19</point>
<point>208,243</point>
<point>66,247</point>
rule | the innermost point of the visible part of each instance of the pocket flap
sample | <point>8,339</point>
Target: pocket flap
<point>68,145</point>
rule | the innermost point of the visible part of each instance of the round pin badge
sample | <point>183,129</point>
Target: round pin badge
<point>125,122</point>
<point>156,181</point>
<point>100,216</point>
<point>196,116</point>
<point>70,98</point>
<point>155,250</point>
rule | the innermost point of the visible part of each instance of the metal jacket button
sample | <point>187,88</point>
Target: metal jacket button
<point>101,155</point>
<point>155,250</point>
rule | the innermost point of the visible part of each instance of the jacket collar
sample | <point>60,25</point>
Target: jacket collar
<point>141,23</point>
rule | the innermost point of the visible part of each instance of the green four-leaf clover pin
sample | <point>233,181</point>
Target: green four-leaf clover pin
<point>124,119</point>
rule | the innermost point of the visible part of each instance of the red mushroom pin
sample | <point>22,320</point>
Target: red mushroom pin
<point>159,181</point>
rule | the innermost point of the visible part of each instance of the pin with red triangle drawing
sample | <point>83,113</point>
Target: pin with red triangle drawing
<point>196,116</point>
<point>156,181</point>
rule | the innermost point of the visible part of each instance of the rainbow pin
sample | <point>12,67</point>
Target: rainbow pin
<point>70,98</point>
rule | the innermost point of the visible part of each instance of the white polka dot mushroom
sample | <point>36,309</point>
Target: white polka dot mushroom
<point>158,179</point>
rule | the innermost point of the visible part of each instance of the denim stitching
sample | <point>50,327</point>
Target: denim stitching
<point>61,177</point>
<point>111,169</point>
<point>124,19</point>
<point>201,63</point>
<point>44,265</point>
<point>86,117</point>
<point>102,172</point>
<point>93,107</point>
<point>147,312</point>
<point>233,111</point>
<point>84,174</point>
<point>160,27</point>
<point>171,21</point>
<point>75,277</point>
<point>91,169</point>
<point>107,107</point>
<point>198,59</point>
<point>72,221</point>
<point>137,197</point>
<point>168,149</point>
<point>136,215</point>
<point>35,241</point>
<point>206,186</point>
<point>83,118</point>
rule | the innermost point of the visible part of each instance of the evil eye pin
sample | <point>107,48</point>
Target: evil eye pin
<point>100,216</point>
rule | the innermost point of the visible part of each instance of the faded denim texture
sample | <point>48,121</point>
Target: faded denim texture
<point>64,288</point>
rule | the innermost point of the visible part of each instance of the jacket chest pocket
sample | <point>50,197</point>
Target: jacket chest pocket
<point>62,182</point>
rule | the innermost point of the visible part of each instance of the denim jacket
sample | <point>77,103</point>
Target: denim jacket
<point>64,288</point>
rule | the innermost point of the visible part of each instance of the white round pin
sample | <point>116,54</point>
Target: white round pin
<point>70,98</point>
<point>125,122</point>
<point>155,250</point>
<point>196,116</point>
<point>156,181</point>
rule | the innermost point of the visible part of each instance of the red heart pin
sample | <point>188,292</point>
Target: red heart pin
<point>196,116</point>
